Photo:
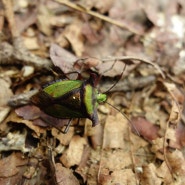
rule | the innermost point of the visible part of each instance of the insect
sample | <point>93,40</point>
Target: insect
<point>68,99</point>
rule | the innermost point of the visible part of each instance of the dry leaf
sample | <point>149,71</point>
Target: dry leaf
<point>16,120</point>
<point>114,131</point>
<point>175,114</point>
<point>65,176</point>
<point>43,18</point>
<point>63,138</point>
<point>115,159</point>
<point>5,95</point>
<point>73,33</point>
<point>175,92</point>
<point>177,163</point>
<point>149,175</point>
<point>28,112</point>
<point>118,177</point>
<point>73,155</point>
<point>62,58</point>
<point>180,137</point>
<point>145,128</point>
<point>91,34</point>
<point>157,147</point>
<point>9,165</point>
<point>31,43</point>
<point>95,134</point>
<point>14,141</point>
<point>111,68</point>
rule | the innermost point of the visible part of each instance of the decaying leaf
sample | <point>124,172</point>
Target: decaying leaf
<point>14,141</point>
<point>115,159</point>
<point>62,58</point>
<point>12,168</point>
<point>73,34</point>
<point>145,128</point>
<point>107,68</point>
<point>63,138</point>
<point>73,155</point>
<point>114,132</point>
<point>179,142</point>
<point>149,175</point>
<point>16,119</point>
<point>65,176</point>
<point>118,177</point>
<point>177,163</point>
<point>5,94</point>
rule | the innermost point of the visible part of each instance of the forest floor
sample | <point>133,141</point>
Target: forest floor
<point>136,48</point>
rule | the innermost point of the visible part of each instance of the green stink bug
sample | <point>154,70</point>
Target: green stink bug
<point>70,99</point>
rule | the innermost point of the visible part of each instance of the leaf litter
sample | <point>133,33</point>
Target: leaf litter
<point>99,37</point>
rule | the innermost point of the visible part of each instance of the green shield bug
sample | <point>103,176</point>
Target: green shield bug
<point>68,99</point>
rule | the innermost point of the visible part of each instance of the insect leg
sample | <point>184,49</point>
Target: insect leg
<point>67,126</point>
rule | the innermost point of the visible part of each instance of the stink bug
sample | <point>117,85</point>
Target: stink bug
<point>68,99</point>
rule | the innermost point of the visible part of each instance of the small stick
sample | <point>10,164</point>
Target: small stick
<point>97,15</point>
<point>139,59</point>
<point>9,13</point>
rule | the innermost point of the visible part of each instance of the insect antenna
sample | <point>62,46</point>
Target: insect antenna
<point>129,121</point>
<point>116,80</point>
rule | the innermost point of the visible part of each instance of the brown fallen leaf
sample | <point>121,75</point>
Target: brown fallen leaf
<point>95,134</point>
<point>6,92</point>
<point>73,33</point>
<point>90,33</point>
<point>73,155</point>
<point>9,165</point>
<point>43,19</point>
<point>82,168</point>
<point>65,176</point>
<point>111,68</point>
<point>125,176</point>
<point>28,112</point>
<point>177,163</point>
<point>164,173</point>
<point>103,7</point>
<point>17,120</point>
<point>62,58</point>
<point>5,95</point>
<point>39,118</point>
<point>174,92</point>
<point>14,141</point>
<point>145,128</point>
<point>116,159</point>
<point>87,63</point>
<point>149,175</point>
<point>31,43</point>
<point>179,143</point>
<point>116,127</point>
<point>63,138</point>
<point>157,148</point>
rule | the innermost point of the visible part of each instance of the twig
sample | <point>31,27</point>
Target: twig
<point>21,99</point>
<point>8,6</point>
<point>139,59</point>
<point>97,15</point>
<point>18,54</point>
<point>164,148</point>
